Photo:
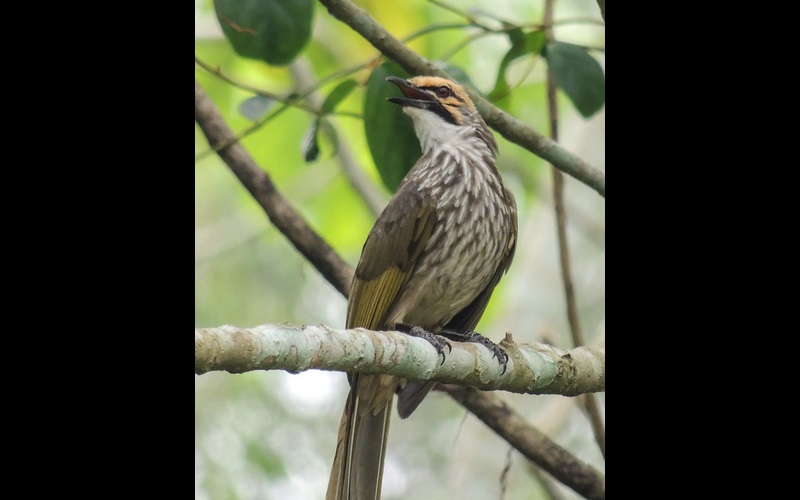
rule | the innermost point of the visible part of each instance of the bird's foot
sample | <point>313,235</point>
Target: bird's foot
<point>436,341</point>
<point>476,337</point>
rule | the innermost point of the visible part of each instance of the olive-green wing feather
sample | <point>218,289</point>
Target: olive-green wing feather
<point>389,257</point>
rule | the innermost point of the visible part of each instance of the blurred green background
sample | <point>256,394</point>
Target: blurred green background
<point>272,434</point>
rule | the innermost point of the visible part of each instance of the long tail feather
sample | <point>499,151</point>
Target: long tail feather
<point>357,469</point>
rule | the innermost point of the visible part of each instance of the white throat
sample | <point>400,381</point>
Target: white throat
<point>431,130</point>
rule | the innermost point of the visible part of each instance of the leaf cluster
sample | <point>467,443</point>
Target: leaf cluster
<point>277,31</point>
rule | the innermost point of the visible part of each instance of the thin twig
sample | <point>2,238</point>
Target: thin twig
<point>263,93</point>
<point>458,12</point>
<point>593,412</point>
<point>232,139</point>
<point>439,27</point>
<point>260,186</point>
<point>287,102</point>
<point>505,471</point>
<point>374,199</point>
<point>589,402</point>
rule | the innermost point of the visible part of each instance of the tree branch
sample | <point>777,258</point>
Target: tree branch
<point>509,127</point>
<point>537,447</point>
<point>532,368</point>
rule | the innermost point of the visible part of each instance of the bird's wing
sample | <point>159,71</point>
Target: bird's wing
<point>389,257</point>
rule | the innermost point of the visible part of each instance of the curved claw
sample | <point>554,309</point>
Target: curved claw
<point>449,348</point>
<point>504,362</point>
<point>502,357</point>
<point>439,346</point>
<point>497,351</point>
<point>436,341</point>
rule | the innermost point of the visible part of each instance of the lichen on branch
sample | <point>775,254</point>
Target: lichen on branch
<point>532,368</point>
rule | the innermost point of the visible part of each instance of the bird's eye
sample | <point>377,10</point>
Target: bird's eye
<point>443,91</point>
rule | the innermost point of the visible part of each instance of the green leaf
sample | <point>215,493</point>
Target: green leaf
<point>522,43</point>
<point>311,143</point>
<point>272,30</point>
<point>337,95</point>
<point>255,107</point>
<point>390,135</point>
<point>579,75</point>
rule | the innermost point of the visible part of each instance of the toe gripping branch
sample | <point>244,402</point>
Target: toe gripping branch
<point>439,343</point>
<point>436,341</point>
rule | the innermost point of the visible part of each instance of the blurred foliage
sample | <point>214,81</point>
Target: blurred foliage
<point>272,435</point>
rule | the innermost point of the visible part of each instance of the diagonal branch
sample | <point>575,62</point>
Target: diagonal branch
<point>509,127</point>
<point>532,368</point>
<point>529,441</point>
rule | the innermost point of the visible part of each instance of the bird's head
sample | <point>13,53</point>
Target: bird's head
<point>441,111</point>
<point>442,97</point>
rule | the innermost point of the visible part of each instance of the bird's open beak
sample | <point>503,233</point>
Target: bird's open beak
<point>413,96</point>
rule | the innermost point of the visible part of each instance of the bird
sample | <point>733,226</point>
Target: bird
<point>427,268</point>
